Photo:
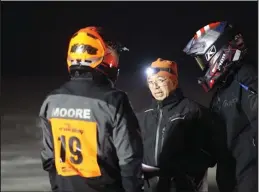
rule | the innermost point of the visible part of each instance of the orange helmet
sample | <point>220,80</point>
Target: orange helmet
<point>88,50</point>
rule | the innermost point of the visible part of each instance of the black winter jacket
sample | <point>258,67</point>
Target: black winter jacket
<point>181,138</point>
<point>91,139</point>
<point>237,104</point>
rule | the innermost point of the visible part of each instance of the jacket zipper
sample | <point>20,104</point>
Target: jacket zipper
<point>158,135</point>
<point>163,137</point>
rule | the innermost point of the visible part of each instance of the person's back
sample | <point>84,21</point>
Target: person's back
<point>91,135</point>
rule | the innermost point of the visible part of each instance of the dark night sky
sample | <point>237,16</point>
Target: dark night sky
<point>35,35</point>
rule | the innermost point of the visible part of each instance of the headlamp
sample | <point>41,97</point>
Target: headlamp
<point>154,70</point>
<point>150,71</point>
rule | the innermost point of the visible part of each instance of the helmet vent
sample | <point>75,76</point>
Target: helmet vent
<point>91,35</point>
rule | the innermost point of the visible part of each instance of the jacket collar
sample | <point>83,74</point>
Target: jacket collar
<point>174,98</point>
<point>89,77</point>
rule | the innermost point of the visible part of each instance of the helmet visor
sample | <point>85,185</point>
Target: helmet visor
<point>200,62</point>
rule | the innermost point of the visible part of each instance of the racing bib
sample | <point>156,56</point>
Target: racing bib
<point>75,147</point>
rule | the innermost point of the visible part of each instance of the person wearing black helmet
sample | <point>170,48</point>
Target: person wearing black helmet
<point>220,51</point>
<point>91,136</point>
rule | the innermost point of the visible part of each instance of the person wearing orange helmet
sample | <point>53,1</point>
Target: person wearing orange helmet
<point>91,136</point>
<point>176,138</point>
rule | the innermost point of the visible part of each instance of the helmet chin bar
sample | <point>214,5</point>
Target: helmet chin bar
<point>217,68</point>
<point>212,77</point>
<point>207,85</point>
<point>111,73</point>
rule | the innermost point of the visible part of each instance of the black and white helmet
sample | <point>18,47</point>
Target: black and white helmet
<point>216,47</point>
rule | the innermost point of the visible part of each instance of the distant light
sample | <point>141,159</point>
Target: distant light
<point>124,49</point>
<point>150,71</point>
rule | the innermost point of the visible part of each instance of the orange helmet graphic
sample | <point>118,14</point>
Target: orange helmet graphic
<point>87,49</point>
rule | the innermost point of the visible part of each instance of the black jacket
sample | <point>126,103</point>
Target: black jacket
<point>238,108</point>
<point>91,139</point>
<point>177,137</point>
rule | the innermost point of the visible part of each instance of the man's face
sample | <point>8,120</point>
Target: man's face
<point>160,86</point>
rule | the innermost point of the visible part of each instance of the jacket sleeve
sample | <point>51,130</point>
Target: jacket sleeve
<point>205,136</point>
<point>128,143</point>
<point>140,118</point>
<point>247,75</point>
<point>47,154</point>
<point>217,146</point>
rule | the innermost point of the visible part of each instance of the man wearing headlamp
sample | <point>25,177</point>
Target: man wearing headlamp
<point>178,147</point>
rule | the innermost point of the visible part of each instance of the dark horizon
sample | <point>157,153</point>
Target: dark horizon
<point>35,38</point>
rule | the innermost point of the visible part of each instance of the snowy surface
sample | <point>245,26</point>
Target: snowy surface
<point>20,163</point>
